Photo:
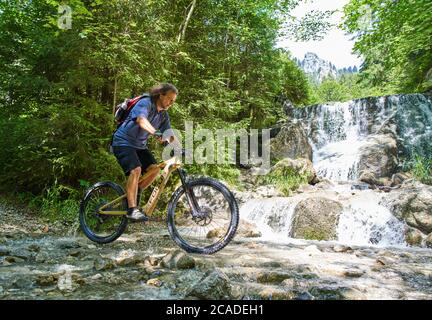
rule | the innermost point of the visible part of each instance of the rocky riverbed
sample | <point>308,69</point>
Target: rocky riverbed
<point>42,261</point>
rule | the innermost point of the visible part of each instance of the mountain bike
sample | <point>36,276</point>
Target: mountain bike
<point>202,215</point>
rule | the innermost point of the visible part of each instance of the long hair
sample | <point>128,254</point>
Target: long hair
<point>161,89</point>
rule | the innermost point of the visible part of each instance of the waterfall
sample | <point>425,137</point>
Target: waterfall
<point>273,216</point>
<point>364,221</point>
<point>338,134</point>
<point>338,131</point>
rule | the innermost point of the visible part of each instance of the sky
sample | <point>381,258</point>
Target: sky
<point>336,47</point>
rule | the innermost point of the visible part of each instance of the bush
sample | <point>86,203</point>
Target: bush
<point>285,179</point>
<point>422,169</point>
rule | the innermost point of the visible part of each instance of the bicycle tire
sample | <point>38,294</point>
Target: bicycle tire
<point>87,229</point>
<point>230,233</point>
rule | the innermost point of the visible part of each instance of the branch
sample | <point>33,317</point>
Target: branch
<point>186,22</point>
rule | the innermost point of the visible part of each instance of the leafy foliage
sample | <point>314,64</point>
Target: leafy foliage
<point>286,179</point>
<point>422,169</point>
<point>344,88</point>
<point>58,87</point>
<point>395,39</point>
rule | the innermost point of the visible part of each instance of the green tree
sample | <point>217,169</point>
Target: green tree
<point>58,86</point>
<point>395,39</point>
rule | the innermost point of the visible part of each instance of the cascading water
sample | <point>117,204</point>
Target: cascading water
<point>272,215</point>
<point>364,221</point>
<point>337,133</point>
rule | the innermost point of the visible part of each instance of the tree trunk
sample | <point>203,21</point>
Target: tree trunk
<point>184,26</point>
<point>115,94</point>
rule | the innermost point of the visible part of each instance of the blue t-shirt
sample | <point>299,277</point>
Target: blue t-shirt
<point>130,134</point>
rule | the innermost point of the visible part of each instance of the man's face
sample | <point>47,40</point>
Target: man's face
<point>168,100</point>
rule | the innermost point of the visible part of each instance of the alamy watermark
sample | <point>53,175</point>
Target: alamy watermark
<point>64,21</point>
<point>222,146</point>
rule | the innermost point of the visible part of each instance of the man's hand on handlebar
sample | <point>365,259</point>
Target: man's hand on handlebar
<point>158,134</point>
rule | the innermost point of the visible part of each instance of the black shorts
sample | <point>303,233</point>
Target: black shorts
<point>130,158</point>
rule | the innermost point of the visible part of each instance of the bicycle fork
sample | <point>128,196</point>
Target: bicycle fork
<point>190,196</point>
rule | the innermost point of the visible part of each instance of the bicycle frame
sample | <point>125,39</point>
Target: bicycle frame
<point>165,168</point>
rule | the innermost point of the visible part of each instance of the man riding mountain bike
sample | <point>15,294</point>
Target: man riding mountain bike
<point>148,117</point>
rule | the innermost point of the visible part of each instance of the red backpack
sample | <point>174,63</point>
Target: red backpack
<point>123,109</point>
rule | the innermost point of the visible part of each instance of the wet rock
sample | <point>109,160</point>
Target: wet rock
<point>276,294</point>
<point>399,178</point>
<point>41,257</point>
<point>341,248</point>
<point>327,292</point>
<point>291,142</point>
<point>69,282</point>
<point>177,260</point>
<point>33,248</point>
<point>290,283</point>
<point>4,251</point>
<point>272,264</point>
<point>272,277</point>
<point>413,237</point>
<point>68,244</point>
<point>248,229</point>
<point>13,259</point>
<point>101,264</point>
<point>23,254</point>
<point>316,219</point>
<point>47,280</point>
<point>214,285</point>
<point>129,258</point>
<point>253,234</point>
<point>155,282</point>
<point>428,241</point>
<point>22,283</point>
<point>38,292</point>
<point>153,261</point>
<point>412,202</point>
<point>215,233</point>
<point>96,277</point>
<point>304,296</point>
<point>75,253</point>
<point>381,262</point>
<point>379,156</point>
<point>353,273</point>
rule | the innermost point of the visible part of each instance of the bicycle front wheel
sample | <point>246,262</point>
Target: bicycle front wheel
<point>103,228</point>
<point>216,224</point>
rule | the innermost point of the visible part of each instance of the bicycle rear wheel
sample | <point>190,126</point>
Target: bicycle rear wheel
<point>102,228</point>
<point>217,223</point>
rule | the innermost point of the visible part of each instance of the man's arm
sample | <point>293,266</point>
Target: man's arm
<point>145,125</point>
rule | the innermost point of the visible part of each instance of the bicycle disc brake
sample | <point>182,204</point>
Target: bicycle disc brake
<point>204,217</point>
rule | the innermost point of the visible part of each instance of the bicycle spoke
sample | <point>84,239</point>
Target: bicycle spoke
<point>216,217</point>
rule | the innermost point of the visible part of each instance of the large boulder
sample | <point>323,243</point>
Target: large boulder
<point>412,202</point>
<point>214,285</point>
<point>291,142</point>
<point>378,158</point>
<point>177,259</point>
<point>429,241</point>
<point>316,218</point>
<point>299,166</point>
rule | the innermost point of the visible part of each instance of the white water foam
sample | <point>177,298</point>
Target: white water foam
<point>365,222</point>
<point>272,216</point>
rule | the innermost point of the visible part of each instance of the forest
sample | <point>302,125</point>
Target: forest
<point>59,83</point>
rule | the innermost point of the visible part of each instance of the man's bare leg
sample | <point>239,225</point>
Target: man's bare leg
<point>150,175</point>
<point>133,212</point>
<point>132,187</point>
